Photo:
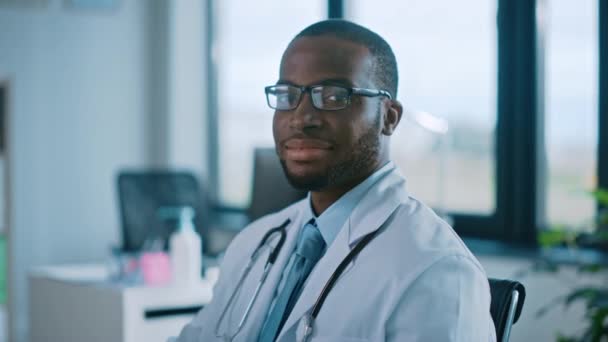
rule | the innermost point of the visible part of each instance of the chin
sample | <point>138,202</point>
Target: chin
<point>308,181</point>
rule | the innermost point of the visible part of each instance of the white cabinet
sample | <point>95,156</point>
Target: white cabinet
<point>75,304</point>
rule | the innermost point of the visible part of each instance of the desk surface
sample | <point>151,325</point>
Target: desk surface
<point>99,275</point>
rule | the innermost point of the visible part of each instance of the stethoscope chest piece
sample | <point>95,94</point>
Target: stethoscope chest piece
<point>304,330</point>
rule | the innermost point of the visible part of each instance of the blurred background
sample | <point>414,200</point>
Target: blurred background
<point>90,89</point>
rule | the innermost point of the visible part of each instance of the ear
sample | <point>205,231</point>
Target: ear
<point>392,116</point>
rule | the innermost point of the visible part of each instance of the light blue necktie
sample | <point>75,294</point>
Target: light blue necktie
<point>309,250</point>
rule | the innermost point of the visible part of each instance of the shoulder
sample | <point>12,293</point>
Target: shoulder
<point>436,275</point>
<point>416,239</point>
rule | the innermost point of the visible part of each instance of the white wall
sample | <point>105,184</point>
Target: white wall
<point>187,96</point>
<point>79,101</point>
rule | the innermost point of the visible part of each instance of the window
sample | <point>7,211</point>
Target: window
<point>524,141</point>
<point>446,54</point>
<point>249,40</point>
<point>571,110</point>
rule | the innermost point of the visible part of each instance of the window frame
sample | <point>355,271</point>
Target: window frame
<point>603,95</point>
<point>212,106</point>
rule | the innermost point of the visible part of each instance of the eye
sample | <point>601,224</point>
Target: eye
<point>330,97</point>
<point>283,99</point>
<point>334,94</point>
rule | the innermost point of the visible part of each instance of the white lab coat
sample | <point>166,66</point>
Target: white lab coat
<point>416,281</point>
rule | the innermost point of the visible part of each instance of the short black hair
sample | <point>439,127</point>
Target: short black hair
<point>385,64</point>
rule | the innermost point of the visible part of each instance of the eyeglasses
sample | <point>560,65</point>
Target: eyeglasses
<point>324,97</point>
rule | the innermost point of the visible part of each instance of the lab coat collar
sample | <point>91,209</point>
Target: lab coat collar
<point>381,201</point>
<point>331,221</point>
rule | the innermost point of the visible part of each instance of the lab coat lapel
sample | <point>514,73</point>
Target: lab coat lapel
<point>381,201</point>
<point>253,325</point>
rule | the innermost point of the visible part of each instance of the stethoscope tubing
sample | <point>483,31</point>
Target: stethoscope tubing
<point>310,318</point>
<point>332,281</point>
<point>272,256</point>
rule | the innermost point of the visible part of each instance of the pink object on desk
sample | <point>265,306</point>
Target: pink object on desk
<point>156,268</point>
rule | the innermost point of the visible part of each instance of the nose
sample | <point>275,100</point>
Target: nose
<point>305,115</point>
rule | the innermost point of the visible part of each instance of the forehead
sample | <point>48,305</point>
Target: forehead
<point>308,60</point>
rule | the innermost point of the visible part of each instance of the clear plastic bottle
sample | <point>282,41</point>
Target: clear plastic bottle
<point>185,250</point>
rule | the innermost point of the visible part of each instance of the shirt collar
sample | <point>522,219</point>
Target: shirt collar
<point>333,218</point>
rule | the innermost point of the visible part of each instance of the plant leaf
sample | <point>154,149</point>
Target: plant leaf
<point>600,301</point>
<point>601,195</point>
<point>584,293</point>
<point>591,268</point>
<point>553,237</point>
<point>562,338</point>
<point>597,323</point>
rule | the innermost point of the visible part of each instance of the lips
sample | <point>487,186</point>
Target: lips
<point>306,149</point>
<point>304,143</point>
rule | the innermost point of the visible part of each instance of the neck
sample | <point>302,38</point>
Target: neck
<point>323,199</point>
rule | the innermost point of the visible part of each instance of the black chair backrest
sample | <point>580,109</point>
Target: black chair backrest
<point>271,190</point>
<point>502,291</point>
<point>142,193</point>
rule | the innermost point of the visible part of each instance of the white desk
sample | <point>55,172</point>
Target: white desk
<point>76,303</point>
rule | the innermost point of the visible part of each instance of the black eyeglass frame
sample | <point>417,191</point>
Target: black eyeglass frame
<point>308,89</point>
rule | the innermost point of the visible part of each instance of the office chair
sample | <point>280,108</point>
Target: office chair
<point>507,302</point>
<point>141,193</point>
<point>270,190</point>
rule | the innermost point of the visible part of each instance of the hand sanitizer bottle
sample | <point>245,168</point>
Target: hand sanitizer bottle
<point>185,250</point>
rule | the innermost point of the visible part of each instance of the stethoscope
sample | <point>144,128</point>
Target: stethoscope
<point>272,257</point>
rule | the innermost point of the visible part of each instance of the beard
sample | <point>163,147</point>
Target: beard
<point>365,153</point>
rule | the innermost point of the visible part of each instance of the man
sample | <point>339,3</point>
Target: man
<point>410,279</point>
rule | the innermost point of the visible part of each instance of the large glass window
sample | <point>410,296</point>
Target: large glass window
<point>447,56</point>
<point>446,53</point>
<point>249,40</point>
<point>571,112</point>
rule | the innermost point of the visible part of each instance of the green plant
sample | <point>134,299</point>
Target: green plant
<point>594,297</point>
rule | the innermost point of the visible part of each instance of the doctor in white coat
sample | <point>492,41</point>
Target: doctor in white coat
<point>410,278</point>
